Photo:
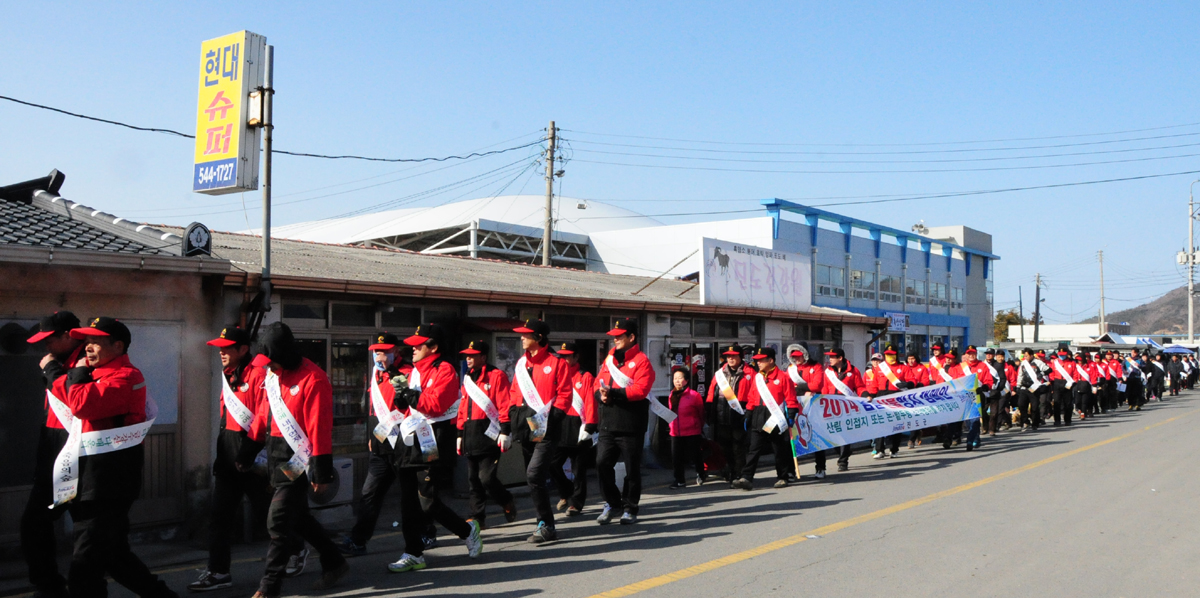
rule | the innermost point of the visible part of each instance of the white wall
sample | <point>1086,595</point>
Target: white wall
<point>652,250</point>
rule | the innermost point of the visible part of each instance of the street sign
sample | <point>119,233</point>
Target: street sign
<point>226,157</point>
<point>897,321</point>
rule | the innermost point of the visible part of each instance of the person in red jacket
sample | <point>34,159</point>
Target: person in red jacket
<point>1086,385</point>
<point>303,405</point>
<point>771,408</point>
<point>726,404</point>
<point>484,391</point>
<point>970,365</point>
<point>241,394</point>
<point>808,379</point>
<point>838,373</point>
<point>622,389</point>
<point>37,521</point>
<point>685,430</point>
<point>917,375</point>
<point>887,378</point>
<point>575,440</point>
<point>539,399</point>
<point>107,393</point>
<point>426,453</point>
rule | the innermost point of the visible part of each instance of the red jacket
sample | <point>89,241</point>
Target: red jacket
<point>741,389</point>
<point>982,374</point>
<point>639,370</point>
<point>934,372</point>
<point>551,377</point>
<point>439,386</point>
<point>779,385</point>
<point>249,392</point>
<point>878,383</point>
<point>494,384</point>
<point>309,398</point>
<point>851,377</point>
<point>689,406</point>
<point>917,374</point>
<point>626,411</point>
<point>1010,372</point>
<point>1054,375</point>
<point>115,396</point>
<point>581,383</point>
<point>1085,372</point>
<point>382,379</point>
<point>52,372</point>
<point>813,374</point>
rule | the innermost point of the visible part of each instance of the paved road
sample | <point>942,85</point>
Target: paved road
<point>1103,508</point>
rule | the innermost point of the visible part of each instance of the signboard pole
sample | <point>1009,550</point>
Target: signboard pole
<point>268,94</point>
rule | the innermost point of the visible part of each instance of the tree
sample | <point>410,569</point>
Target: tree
<point>1004,319</point>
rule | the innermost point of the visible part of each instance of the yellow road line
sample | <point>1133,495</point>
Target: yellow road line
<point>738,557</point>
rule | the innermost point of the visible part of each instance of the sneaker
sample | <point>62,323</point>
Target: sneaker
<point>542,534</point>
<point>574,511</point>
<point>820,475</point>
<point>912,444</point>
<point>843,467</point>
<point>970,448</point>
<point>561,506</point>
<point>893,454</point>
<point>330,578</point>
<point>743,484</point>
<point>473,540</point>
<point>430,542</point>
<point>606,515</point>
<point>676,486</point>
<point>781,484</point>
<point>407,562</point>
<point>296,563</point>
<point>348,548</point>
<point>877,456</point>
<point>628,518</point>
<point>700,479</point>
<point>510,511</point>
<point>210,581</point>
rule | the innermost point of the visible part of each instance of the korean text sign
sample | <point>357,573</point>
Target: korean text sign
<point>226,153</point>
<point>747,276</point>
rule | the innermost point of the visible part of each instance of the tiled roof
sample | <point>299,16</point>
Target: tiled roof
<point>25,224</point>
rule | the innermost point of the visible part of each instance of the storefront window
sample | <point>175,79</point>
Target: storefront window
<point>400,318</point>
<point>726,329</point>
<point>354,314</point>
<point>748,330</point>
<point>305,310</point>
<point>705,328</point>
<point>681,327</point>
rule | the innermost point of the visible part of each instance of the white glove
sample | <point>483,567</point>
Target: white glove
<point>458,446</point>
<point>504,442</point>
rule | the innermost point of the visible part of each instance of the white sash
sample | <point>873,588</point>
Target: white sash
<point>1084,376</point>
<point>1028,367</point>
<point>794,373</point>
<point>833,378</point>
<point>541,410</point>
<point>389,419</point>
<point>1062,371</point>
<point>236,408</point>
<point>723,383</point>
<point>291,431</point>
<point>97,442</point>
<point>1159,366</point>
<point>778,419</point>
<point>618,377</point>
<point>1133,367</point>
<point>485,403</point>
<point>891,376</point>
<point>992,371</point>
<point>577,405</point>
<point>417,426</point>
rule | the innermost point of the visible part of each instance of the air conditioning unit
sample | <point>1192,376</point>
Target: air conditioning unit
<point>340,490</point>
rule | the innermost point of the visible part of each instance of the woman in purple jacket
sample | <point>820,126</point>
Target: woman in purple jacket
<point>686,429</point>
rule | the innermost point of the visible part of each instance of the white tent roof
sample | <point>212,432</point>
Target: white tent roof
<point>526,211</point>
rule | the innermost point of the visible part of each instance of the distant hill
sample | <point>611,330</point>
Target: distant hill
<point>1165,315</point>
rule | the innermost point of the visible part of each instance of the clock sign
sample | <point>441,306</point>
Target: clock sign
<point>197,240</point>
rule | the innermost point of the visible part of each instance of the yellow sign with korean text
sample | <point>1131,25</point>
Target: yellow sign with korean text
<point>226,153</point>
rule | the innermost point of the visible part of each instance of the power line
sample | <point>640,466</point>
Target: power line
<point>298,154</point>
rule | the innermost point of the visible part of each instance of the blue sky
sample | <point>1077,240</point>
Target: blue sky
<point>416,80</point>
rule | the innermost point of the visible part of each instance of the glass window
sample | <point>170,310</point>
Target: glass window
<point>353,314</point>
<point>298,309</point>
<point>889,289</point>
<point>831,281</point>
<point>914,291</point>
<point>400,318</point>
<point>788,330</point>
<point>577,323</point>
<point>726,329</point>
<point>705,328</point>
<point>748,329</point>
<point>937,294</point>
<point>862,284</point>
<point>957,295</point>
<point>681,327</point>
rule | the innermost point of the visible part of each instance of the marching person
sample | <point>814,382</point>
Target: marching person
<point>241,397</point>
<point>1061,381</point>
<point>686,428</point>
<point>623,389</point>
<point>808,379</point>
<point>539,397</point>
<point>1116,376</point>
<point>994,406</point>
<point>1030,382</point>
<point>298,398</point>
<point>843,378</point>
<point>576,443</point>
<point>1158,376</point>
<point>1103,378</point>
<point>105,392</point>
<point>918,376</point>
<point>1087,383</point>
<point>983,377</point>
<point>1135,381</point>
<point>37,521</point>
<point>481,421</point>
<point>885,380</point>
<point>382,423</point>
<point>425,454</point>
<point>1045,394</point>
<point>772,406</point>
<point>1010,372</point>
<point>727,409</point>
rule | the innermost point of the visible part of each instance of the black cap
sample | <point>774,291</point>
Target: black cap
<point>535,327</point>
<point>734,349</point>
<point>989,351</point>
<point>426,333</point>
<point>55,323</point>
<point>567,348</point>
<point>623,326</point>
<point>278,345</point>
<point>476,348</point>
<point>765,353</point>
<point>104,326</point>
<point>384,341</point>
<point>229,337</point>
<point>838,352</point>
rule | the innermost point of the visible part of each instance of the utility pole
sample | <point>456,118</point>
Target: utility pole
<point>1037,306</point>
<point>1103,328</point>
<point>546,248</point>
<point>268,127</point>
<point>1021,312</point>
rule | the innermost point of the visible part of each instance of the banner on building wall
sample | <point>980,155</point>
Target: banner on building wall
<point>747,276</point>
<point>830,421</point>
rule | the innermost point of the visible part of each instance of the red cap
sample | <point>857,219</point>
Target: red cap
<point>37,338</point>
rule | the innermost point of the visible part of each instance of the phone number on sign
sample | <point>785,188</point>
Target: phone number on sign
<point>221,173</point>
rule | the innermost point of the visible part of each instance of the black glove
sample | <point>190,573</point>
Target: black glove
<point>591,428</point>
<point>248,453</point>
<point>802,387</point>
<point>79,375</point>
<point>617,394</point>
<point>905,386</point>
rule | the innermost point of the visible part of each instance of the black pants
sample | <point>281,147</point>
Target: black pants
<point>573,491</point>
<point>1027,404</point>
<point>290,525</point>
<point>734,441</point>
<point>102,546</point>
<point>685,450</point>
<point>484,481</point>
<point>1174,385</point>
<point>37,521</point>
<point>227,493</point>
<point>995,408</point>
<point>381,473</point>
<point>1064,404</point>
<point>1083,398</point>
<point>1135,393</point>
<point>626,448</point>
<point>760,443</point>
<point>950,433</point>
<point>843,453</point>
<point>1110,396</point>
<point>888,442</point>
<point>420,505</point>
<point>539,467</point>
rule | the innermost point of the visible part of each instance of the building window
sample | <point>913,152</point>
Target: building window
<point>831,281</point>
<point>987,289</point>
<point>726,329</point>
<point>354,314</point>
<point>889,289</point>
<point>706,328</point>
<point>937,295</point>
<point>862,285</point>
<point>577,323</point>
<point>400,318</point>
<point>914,291</point>
<point>748,330</point>
<point>309,311</point>
<point>957,297</point>
<point>681,327</point>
